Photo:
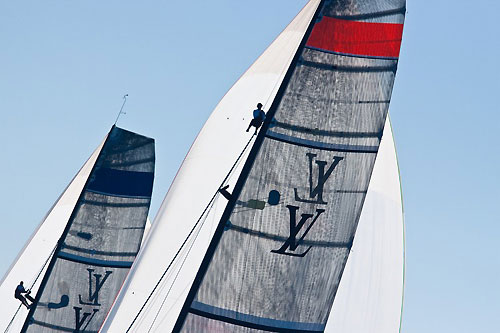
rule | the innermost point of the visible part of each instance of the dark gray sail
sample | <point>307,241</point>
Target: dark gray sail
<point>276,266</point>
<point>101,239</point>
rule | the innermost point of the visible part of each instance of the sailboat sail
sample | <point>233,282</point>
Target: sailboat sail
<point>101,238</point>
<point>313,160</point>
<point>279,268</point>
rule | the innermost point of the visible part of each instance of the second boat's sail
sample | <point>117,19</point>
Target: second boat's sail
<point>100,241</point>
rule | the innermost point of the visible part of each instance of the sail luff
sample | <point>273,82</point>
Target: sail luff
<point>243,176</point>
<point>53,260</point>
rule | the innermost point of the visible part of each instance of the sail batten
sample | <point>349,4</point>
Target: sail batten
<point>249,321</point>
<point>321,145</point>
<point>94,262</point>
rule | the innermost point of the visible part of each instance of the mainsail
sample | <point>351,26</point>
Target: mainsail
<point>277,257</point>
<point>100,240</point>
<point>279,269</point>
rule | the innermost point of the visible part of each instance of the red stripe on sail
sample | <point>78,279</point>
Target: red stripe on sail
<point>357,38</point>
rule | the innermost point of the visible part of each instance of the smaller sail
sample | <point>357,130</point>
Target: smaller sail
<point>100,240</point>
<point>372,284</point>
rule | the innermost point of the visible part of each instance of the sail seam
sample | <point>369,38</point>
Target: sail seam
<point>118,195</point>
<point>91,251</point>
<point>349,69</point>
<point>350,54</point>
<point>113,204</point>
<point>390,12</point>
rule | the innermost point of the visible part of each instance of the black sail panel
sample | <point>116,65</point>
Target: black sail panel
<point>101,240</point>
<point>278,261</point>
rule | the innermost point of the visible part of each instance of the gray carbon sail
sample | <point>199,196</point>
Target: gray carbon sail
<point>278,254</point>
<point>101,239</point>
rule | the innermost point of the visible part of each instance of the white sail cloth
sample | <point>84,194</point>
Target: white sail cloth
<point>370,295</point>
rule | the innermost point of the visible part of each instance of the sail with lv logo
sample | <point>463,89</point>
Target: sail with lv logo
<point>306,233</point>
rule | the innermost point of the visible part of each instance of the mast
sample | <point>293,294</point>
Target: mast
<point>243,176</point>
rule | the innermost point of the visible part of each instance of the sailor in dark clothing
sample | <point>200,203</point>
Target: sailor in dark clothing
<point>18,294</point>
<point>258,118</point>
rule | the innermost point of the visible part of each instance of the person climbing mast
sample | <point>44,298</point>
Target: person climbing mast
<point>258,118</point>
<point>18,294</point>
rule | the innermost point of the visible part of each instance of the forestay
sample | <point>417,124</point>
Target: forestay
<point>101,239</point>
<point>278,255</point>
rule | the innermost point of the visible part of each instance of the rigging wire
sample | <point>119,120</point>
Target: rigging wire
<point>180,268</point>
<point>187,252</point>
<point>190,233</point>
<point>31,287</point>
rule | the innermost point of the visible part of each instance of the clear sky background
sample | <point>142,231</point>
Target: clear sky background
<point>65,65</point>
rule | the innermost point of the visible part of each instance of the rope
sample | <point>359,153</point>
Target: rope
<point>31,287</point>
<point>178,272</point>
<point>189,234</point>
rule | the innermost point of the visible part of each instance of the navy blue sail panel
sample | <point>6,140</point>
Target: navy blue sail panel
<point>278,267</point>
<point>121,183</point>
<point>101,240</point>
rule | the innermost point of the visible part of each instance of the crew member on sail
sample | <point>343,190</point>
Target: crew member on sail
<point>18,294</point>
<point>258,118</point>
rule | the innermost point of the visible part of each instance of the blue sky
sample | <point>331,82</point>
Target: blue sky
<point>65,66</point>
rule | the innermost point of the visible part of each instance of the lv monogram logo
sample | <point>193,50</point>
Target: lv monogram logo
<point>292,242</point>
<point>80,320</point>
<point>94,293</point>
<point>316,192</point>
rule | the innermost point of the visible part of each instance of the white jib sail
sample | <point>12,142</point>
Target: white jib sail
<point>211,156</point>
<point>39,247</point>
<point>370,295</point>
